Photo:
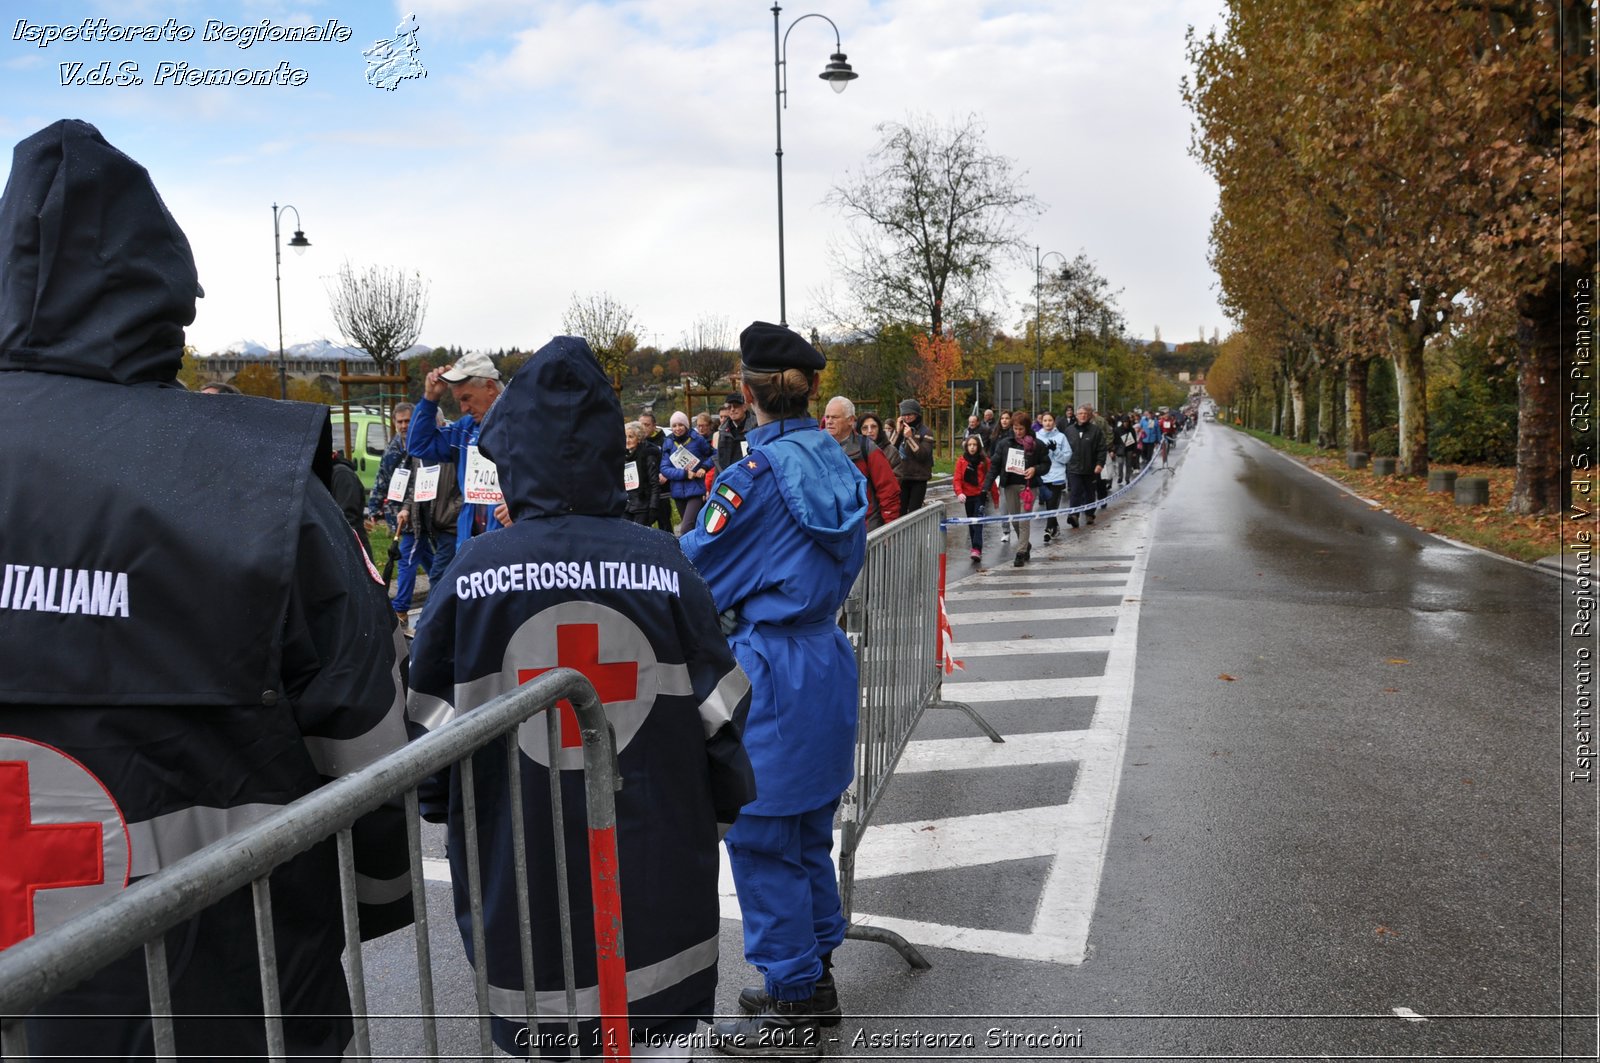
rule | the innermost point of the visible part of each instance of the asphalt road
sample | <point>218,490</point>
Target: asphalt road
<point>1282,778</point>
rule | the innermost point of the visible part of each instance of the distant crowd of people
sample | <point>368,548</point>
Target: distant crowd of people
<point>1013,463</point>
<point>1020,463</point>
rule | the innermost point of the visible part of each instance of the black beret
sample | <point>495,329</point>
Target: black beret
<point>768,348</point>
<point>734,399</point>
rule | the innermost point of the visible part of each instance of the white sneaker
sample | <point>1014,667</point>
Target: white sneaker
<point>1005,537</point>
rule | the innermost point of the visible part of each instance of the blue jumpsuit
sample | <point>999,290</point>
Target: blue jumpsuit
<point>779,543</point>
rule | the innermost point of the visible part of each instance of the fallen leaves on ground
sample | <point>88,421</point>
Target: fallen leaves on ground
<point>1226,678</point>
<point>1490,526</point>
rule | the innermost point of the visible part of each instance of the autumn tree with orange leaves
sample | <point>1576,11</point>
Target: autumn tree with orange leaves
<point>1388,165</point>
<point>937,362</point>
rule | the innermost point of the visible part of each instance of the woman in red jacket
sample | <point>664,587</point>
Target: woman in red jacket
<point>972,469</point>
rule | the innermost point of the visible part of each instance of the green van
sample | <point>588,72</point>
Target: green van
<point>369,435</point>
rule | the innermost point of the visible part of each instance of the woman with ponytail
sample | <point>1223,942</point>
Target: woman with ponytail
<point>779,543</point>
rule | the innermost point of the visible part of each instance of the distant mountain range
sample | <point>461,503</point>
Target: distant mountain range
<point>313,349</point>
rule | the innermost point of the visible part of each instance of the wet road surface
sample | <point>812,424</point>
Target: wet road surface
<point>1283,777</point>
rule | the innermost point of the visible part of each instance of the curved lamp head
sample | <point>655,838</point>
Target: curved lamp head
<point>299,242</point>
<point>838,73</point>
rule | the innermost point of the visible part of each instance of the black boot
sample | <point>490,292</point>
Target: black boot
<point>824,1000</point>
<point>783,1029</point>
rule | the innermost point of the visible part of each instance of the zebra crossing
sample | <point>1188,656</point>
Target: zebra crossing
<point>1049,661</point>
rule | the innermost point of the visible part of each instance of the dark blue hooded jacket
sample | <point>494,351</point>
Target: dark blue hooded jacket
<point>571,582</point>
<point>243,655</point>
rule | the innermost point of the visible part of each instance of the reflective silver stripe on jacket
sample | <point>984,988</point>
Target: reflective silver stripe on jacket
<point>668,678</point>
<point>643,982</point>
<point>718,709</point>
<point>371,890</point>
<point>334,757</point>
<point>166,839</point>
<point>428,712</point>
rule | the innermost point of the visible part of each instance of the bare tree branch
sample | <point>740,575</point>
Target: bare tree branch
<point>708,356</point>
<point>934,212</point>
<point>379,310</point>
<point>608,326</point>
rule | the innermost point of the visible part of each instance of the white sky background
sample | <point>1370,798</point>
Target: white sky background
<point>627,147</point>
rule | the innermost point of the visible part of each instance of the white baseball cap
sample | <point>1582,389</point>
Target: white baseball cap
<point>475,363</point>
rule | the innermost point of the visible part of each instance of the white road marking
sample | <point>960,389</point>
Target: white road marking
<point>1061,949</point>
<point>1059,565</point>
<point>1056,593</point>
<point>1004,647</point>
<point>1075,612</point>
<point>975,691</point>
<point>956,754</point>
<point>1075,835</point>
<point>435,870</point>
<point>1067,903</point>
<point>1042,576</point>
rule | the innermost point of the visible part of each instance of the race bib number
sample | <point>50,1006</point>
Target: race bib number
<point>684,459</point>
<point>1016,461</point>
<point>397,485</point>
<point>630,476</point>
<point>744,448</point>
<point>427,483</point>
<point>483,480</point>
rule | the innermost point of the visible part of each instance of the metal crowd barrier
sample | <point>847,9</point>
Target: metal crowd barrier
<point>37,969</point>
<point>892,618</point>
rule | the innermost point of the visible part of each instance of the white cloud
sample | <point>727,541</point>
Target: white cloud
<point>628,147</point>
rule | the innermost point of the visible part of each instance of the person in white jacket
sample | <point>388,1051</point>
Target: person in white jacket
<point>1053,487</point>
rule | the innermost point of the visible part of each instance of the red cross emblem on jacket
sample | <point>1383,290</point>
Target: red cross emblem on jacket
<point>578,648</point>
<point>58,858</point>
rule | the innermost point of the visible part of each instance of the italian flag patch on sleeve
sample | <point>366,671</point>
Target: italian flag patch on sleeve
<point>731,495</point>
<point>715,519</point>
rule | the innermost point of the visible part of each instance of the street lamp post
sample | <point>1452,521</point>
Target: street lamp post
<point>1038,318</point>
<point>837,74</point>
<point>299,242</point>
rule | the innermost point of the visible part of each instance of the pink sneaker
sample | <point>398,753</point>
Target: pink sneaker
<point>977,555</point>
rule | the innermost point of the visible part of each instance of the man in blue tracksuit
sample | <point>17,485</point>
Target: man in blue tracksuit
<point>780,541</point>
<point>475,383</point>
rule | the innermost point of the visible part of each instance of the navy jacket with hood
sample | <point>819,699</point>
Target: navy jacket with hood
<point>192,638</point>
<point>572,583</point>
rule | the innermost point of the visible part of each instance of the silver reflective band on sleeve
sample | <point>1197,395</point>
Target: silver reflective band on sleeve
<point>718,709</point>
<point>341,756</point>
<point>475,692</point>
<point>643,982</point>
<point>428,712</point>
<point>164,840</point>
<point>673,679</point>
<point>371,890</point>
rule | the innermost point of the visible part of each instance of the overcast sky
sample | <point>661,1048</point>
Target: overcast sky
<point>627,147</point>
